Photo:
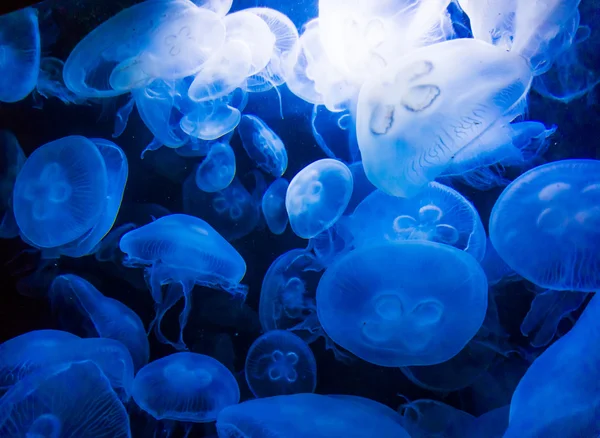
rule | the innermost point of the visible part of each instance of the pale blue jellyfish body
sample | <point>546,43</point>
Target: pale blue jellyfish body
<point>179,251</point>
<point>438,213</point>
<point>383,304</point>
<point>302,415</point>
<point>280,363</point>
<point>185,387</point>
<point>544,225</point>
<point>60,192</point>
<point>217,170</point>
<point>19,54</point>
<point>73,400</point>
<point>317,196</point>
<point>263,146</point>
<point>84,310</point>
<point>273,206</point>
<point>12,159</point>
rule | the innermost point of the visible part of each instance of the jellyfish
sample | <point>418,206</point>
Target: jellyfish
<point>280,363</point>
<point>219,7</point>
<point>186,387</point>
<point>426,418</point>
<point>19,54</point>
<point>61,192</point>
<point>50,83</point>
<point>545,224</point>
<point>179,251</point>
<point>317,197</point>
<point>492,21</point>
<point>332,243</point>
<point>263,146</point>
<point>72,400</point>
<point>415,117</point>
<point>217,170</point>
<point>382,303</point>
<point>12,159</point>
<point>438,213</point>
<point>273,206</point>
<point>211,120</point>
<point>83,310</point>
<point>301,415</point>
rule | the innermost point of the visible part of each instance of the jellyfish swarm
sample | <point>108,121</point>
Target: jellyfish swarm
<point>263,146</point>
<point>19,54</point>
<point>217,170</point>
<point>317,196</point>
<point>83,310</point>
<point>73,400</point>
<point>545,225</point>
<point>185,387</point>
<point>179,251</point>
<point>12,158</point>
<point>438,213</point>
<point>415,117</point>
<point>382,303</point>
<point>273,206</point>
<point>280,363</point>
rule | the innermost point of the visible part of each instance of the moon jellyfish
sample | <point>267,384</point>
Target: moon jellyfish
<point>263,146</point>
<point>60,192</point>
<point>217,170</point>
<point>219,7</point>
<point>428,418</point>
<point>273,206</point>
<point>50,83</point>
<point>492,21</point>
<point>279,363</point>
<point>179,251</point>
<point>438,213</point>
<point>545,225</point>
<point>19,54</point>
<point>415,117</point>
<point>12,159</point>
<point>83,310</point>
<point>317,197</point>
<point>185,387</point>
<point>74,400</point>
<point>382,303</point>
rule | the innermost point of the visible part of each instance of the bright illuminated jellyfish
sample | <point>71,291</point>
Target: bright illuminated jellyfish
<point>302,415</point>
<point>545,225</point>
<point>430,418</point>
<point>415,117</point>
<point>19,54</point>
<point>279,363</point>
<point>217,170</point>
<point>219,7</point>
<point>60,192</point>
<point>185,387</point>
<point>70,400</point>
<point>438,213</point>
<point>179,251</point>
<point>157,39</point>
<point>382,303</point>
<point>559,391</point>
<point>263,146</point>
<point>317,196</point>
<point>492,21</point>
<point>548,309</point>
<point>273,206</point>
<point>12,159</point>
<point>233,210</point>
<point>83,310</point>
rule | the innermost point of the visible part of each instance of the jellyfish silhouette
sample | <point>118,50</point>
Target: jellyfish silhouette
<point>273,206</point>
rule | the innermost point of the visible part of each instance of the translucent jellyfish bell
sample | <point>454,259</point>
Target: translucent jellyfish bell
<point>19,54</point>
<point>217,170</point>
<point>317,196</point>
<point>273,206</point>
<point>545,225</point>
<point>12,159</point>
<point>383,304</point>
<point>60,192</point>
<point>263,146</point>
<point>212,119</point>
<point>219,7</point>
<point>414,117</point>
<point>492,22</point>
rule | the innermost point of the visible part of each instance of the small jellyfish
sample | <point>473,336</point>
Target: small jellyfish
<point>273,206</point>
<point>279,363</point>
<point>12,159</point>
<point>263,146</point>
<point>50,84</point>
<point>186,387</point>
<point>317,197</point>
<point>383,304</point>
<point>545,225</point>
<point>217,170</point>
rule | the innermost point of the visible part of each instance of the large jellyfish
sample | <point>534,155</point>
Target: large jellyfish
<point>273,206</point>
<point>279,363</point>
<point>263,146</point>
<point>217,170</point>
<point>185,387</point>
<point>19,54</point>
<point>415,117</point>
<point>438,213</point>
<point>12,159</point>
<point>383,303</point>
<point>179,251</point>
<point>317,196</point>
<point>545,225</point>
